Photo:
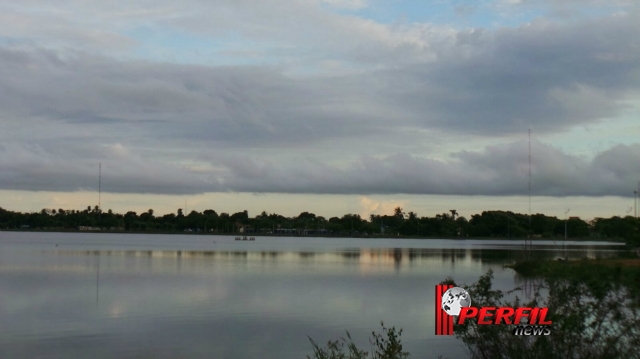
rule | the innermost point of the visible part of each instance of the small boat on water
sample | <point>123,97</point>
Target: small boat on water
<point>245,238</point>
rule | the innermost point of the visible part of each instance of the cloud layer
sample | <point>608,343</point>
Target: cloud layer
<point>497,170</point>
<point>202,97</point>
<point>545,76</point>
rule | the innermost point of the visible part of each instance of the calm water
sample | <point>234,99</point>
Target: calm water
<point>71,295</point>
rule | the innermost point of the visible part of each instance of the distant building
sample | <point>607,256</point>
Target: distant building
<point>245,228</point>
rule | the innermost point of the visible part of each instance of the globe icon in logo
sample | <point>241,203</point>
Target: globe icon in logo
<point>455,299</point>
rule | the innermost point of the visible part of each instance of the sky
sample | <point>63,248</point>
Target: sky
<point>329,106</point>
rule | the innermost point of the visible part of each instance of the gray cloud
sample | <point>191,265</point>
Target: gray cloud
<point>548,77</point>
<point>497,170</point>
<point>545,76</point>
<point>162,127</point>
<point>72,168</point>
<point>246,105</point>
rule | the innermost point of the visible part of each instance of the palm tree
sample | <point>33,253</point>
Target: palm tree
<point>454,213</point>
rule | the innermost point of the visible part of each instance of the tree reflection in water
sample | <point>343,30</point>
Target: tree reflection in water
<point>594,315</point>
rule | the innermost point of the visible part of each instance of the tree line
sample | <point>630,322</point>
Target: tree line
<point>499,224</point>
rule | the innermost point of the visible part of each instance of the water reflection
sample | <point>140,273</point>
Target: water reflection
<point>365,255</point>
<point>529,286</point>
<point>366,260</point>
<point>146,298</point>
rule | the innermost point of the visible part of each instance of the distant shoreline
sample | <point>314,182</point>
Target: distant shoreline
<point>612,241</point>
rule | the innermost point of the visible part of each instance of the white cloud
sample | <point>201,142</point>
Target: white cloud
<point>347,4</point>
<point>371,206</point>
<point>120,151</point>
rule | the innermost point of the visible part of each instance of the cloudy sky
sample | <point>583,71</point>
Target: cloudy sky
<point>331,106</point>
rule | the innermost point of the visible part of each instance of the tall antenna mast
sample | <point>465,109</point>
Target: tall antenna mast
<point>99,188</point>
<point>529,235</point>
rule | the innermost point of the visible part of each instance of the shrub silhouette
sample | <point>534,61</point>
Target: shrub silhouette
<point>386,345</point>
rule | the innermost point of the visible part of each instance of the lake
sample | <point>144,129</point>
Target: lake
<point>85,295</point>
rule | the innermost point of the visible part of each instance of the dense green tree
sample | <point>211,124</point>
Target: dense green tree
<point>241,217</point>
<point>591,308</point>
<point>486,224</point>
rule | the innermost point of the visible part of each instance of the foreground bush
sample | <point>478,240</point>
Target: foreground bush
<point>594,316</point>
<point>593,307</point>
<point>386,346</point>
